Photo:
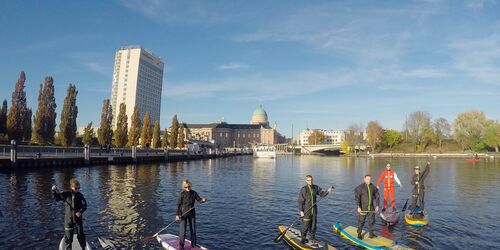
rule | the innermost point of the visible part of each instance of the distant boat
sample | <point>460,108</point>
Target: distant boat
<point>472,160</point>
<point>264,151</point>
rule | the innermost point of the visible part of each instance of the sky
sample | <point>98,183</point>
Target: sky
<point>312,64</point>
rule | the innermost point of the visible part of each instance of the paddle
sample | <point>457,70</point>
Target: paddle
<point>280,235</point>
<point>148,238</point>
<point>106,244</point>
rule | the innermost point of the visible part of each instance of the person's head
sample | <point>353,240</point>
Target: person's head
<point>309,179</point>
<point>368,179</point>
<point>74,185</point>
<point>388,166</point>
<point>417,169</point>
<point>186,185</point>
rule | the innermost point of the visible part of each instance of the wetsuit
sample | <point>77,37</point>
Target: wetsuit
<point>367,198</point>
<point>389,176</point>
<point>186,201</point>
<point>419,189</point>
<point>307,198</point>
<point>73,202</point>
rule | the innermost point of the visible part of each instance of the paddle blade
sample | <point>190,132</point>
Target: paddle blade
<point>279,237</point>
<point>146,240</point>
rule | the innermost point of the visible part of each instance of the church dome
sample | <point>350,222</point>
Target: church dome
<point>259,116</point>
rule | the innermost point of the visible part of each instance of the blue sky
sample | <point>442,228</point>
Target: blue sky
<point>317,64</point>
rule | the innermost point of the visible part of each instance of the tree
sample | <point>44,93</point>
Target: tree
<point>181,142</point>
<point>442,130</point>
<point>174,132</point>
<point>3,119</point>
<point>105,131</point>
<point>468,128</point>
<point>156,135</point>
<point>164,140</point>
<point>491,135</point>
<point>316,137</point>
<point>121,131</point>
<point>135,126</point>
<point>146,131</point>
<point>19,117</point>
<point>418,127</point>
<point>67,128</point>
<point>354,135</point>
<point>374,134</point>
<point>45,117</point>
<point>88,134</point>
<point>391,138</point>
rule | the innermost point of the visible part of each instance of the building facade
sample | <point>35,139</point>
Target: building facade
<point>137,82</point>
<point>331,136</point>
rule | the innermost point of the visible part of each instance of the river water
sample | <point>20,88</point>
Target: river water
<point>247,199</point>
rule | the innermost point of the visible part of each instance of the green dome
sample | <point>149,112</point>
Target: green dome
<point>259,116</point>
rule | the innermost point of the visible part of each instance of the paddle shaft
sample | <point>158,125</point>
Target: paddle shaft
<point>278,238</point>
<point>156,234</point>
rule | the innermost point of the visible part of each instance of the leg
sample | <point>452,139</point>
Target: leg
<point>421,198</point>
<point>306,223</point>
<point>68,235</point>
<point>371,223</point>
<point>393,201</point>
<point>413,200</point>
<point>361,223</point>
<point>312,229</point>
<point>182,233</point>
<point>80,235</point>
<point>386,193</point>
<point>192,229</point>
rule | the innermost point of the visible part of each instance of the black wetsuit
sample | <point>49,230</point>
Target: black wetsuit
<point>73,202</point>
<point>307,197</point>
<point>419,189</point>
<point>367,198</point>
<point>186,201</point>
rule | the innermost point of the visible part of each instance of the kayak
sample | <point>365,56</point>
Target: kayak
<point>75,245</point>
<point>389,216</point>
<point>171,242</point>
<point>472,160</point>
<point>377,243</point>
<point>292,239</point>
<point>418,219</point>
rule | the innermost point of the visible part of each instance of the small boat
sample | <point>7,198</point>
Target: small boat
<point>390,216</point>
<point>264,151</point>
<point>472,160</point>
<point>75,244</point>
<point>292,239</point>
<point>171,242</point>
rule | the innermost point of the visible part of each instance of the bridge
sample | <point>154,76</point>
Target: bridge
<point>309,149</point>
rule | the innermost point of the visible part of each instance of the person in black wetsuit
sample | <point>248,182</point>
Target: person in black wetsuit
<point>419,188</point>
<point>186,213</point>
<point>367,200</point>
<point>307,198</point>
<point>75,206</point>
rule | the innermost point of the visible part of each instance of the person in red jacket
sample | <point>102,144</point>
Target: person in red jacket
<point>389,177</point>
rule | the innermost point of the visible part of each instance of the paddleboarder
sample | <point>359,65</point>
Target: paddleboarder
<point>418,187</point>
<point>389,176</point>
<point>307,198</point>
<point>367,200</point>
<point>185,205</point>
<point>75,206</point>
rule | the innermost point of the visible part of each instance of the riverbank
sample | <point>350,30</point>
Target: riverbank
<point>432,155</point>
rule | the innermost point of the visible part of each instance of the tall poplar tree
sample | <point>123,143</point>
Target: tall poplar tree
<point>19,117</point>
<point>88,134</point>
<point>3,119</point>
<point>174,132</point>
<point>146,131</point>
<point>45,117</point>
<point>121,131</point>
<point>135,126</point>
<point>156,135</point>
<point>105,131</point>
<point>164,140</point>
<point>181,143</point>
<point>67,127</point>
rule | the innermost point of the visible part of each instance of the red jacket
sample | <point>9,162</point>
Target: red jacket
<point>389,177</point>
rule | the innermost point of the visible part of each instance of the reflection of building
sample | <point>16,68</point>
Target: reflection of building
<point>137,82</point>
<point>236,135</point>
<point>331,136</point>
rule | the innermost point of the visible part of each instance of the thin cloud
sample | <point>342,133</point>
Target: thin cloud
<point>230,66</point>
<point>478,4</point>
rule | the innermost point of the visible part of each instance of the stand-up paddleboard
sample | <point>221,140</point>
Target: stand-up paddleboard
<point>75,245</point>
<point>417,218</point>
<point>171,242</point>
<point>389,216</point>
<point>377,243</point>
<point>106,244</point>
<point>292,239</point>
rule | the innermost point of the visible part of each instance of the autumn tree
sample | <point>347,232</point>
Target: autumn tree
<point>105,131</point>
<point>146,131</point>
<point>316,137</point>
<point>135,128</point>
<point>19,117</point>
<point>374,134</point>
<point>491,135</point>
<point>354,135</point>
<point>45,117</point>
<point>121,131</point>
<point>3,119</point>
<point>419,129</point>
<point>174,132</point>
<point>88,134</point>
<point>442,130</point>
<point>156,135</point>
<point>468,128</point>
<point>164,140</point>
<point>181,141</point>
<point>67,127</point>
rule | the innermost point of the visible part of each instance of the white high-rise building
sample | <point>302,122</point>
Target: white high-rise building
<point>137,81</point>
